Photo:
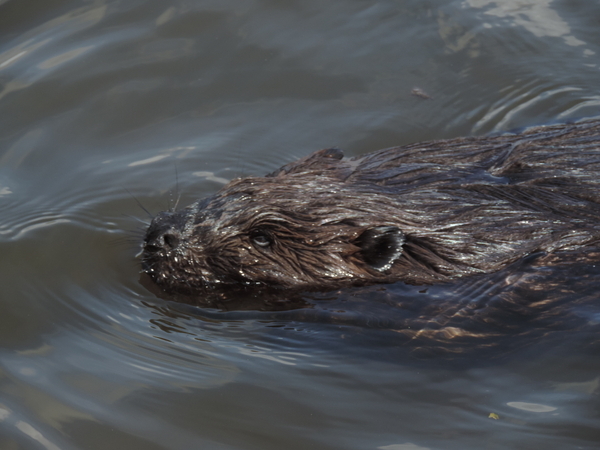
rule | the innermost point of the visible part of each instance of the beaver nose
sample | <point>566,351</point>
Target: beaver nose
<point>165,232</point>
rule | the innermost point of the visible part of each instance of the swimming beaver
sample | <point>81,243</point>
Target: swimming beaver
<point>423,213</point>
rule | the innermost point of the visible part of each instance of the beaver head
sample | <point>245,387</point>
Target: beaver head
<point>299,227</point>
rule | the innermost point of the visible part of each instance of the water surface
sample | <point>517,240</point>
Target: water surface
<point>104,104</point>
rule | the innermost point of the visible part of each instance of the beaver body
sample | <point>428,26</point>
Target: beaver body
<point>424,213</point>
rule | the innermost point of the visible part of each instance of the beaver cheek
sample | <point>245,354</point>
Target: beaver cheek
<point>249,265</point>
<point>263,266</point>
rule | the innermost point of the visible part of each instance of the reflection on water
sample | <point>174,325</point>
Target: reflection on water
<point>104,103</point>
<point>537,17</point>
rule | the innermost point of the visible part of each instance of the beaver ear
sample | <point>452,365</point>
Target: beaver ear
<point>381,246</point>
<point>317,160</point>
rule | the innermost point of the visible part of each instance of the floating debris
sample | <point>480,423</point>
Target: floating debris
<point>418,92</point>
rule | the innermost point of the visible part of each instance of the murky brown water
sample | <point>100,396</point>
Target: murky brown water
<point>103,101</point>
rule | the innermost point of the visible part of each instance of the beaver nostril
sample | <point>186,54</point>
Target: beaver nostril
<point>162,240</point>
<point>171,241</point>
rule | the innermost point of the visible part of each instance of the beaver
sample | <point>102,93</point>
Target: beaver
<point>424,213</point>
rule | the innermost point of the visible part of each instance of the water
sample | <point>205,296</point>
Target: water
<point>107,103</point>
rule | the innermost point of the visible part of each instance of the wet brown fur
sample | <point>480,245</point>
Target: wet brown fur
<point>424,213</point>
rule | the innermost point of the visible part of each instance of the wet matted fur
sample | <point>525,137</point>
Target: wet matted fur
<point>424,213</point>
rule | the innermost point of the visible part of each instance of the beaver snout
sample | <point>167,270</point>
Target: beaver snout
<point>165,233</point>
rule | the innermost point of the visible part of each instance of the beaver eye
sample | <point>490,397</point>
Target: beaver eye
<point>261,239</point>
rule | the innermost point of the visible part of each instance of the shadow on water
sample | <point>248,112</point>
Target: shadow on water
<point>527,307</point>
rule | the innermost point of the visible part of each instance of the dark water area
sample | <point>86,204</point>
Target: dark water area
<point>104,104</point>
